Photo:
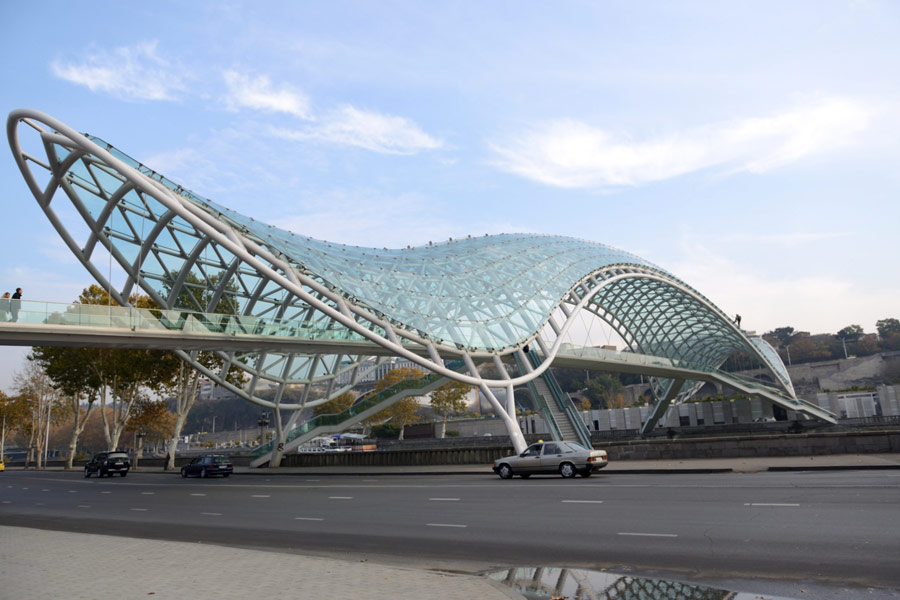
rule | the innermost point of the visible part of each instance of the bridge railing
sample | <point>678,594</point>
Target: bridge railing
<point>38,312</point>
<point>362,404</point>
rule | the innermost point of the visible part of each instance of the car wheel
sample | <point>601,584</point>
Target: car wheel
<point>567,470</point>
<point>86,473</point>
<point>505,472</point>
<point>585,473</point>
<point>203,473</point>
<point>183,473</point>
<point>99,473</point>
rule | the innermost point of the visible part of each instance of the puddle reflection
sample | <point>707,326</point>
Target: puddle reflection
<point>582,584</point>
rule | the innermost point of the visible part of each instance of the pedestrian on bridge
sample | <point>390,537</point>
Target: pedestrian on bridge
<point>15,304</point>
<point>4,307</point>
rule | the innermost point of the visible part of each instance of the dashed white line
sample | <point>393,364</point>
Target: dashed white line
<point>6,502</point>
<point>106,492</point>
<point>84,506</point>
<point>198,494</point>
<point>446,525</point>
<point>73,491</point>
<point>313,480</point>
<point>668,535</point>
<point>769,504</point>
<point>340,497</point>
<point>582,501</point>
<point>308,519</point>
<point>147,493</point>
<point>444,499</point>
<point>45,490</point>
<point>260,496</point>
<point>212,514</point>
<point>140,509</point>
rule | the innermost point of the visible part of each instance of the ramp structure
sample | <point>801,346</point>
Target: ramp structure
<point>289,309</point>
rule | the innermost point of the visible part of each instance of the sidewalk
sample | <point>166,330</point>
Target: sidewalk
<point>78,566</point>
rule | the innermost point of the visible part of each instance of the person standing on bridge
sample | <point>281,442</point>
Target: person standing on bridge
<point>4,306</point>
<point>15,304</point>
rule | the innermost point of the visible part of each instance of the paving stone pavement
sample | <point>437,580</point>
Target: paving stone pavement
<point>52,565</point>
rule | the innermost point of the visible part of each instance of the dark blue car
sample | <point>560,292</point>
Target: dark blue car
<point>208,465</point>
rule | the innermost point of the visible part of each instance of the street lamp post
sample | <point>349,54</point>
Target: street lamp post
<point>139,452</point>
<point>263,423</point>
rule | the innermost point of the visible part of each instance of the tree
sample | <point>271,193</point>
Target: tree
<point>887,327</point>
<point>783,335</point>
<point>448,399</point>
<point>402,412</point>
<point>45,407</point>
<point>127,374</point>
<point>888,333</point>
<point>151,418</point>
<point>15,413</point>
<point>78,373</point>
<point>602,390</point>
<point>336,405</point>
<point>849,333</point>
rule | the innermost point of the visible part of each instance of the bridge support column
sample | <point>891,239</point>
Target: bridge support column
<point>661,406</point>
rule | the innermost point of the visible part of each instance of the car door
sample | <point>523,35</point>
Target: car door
<point>550,457</point>
<point>94,466</point>
<point>530,460</point>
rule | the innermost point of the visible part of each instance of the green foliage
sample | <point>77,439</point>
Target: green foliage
<point>386,431</point>
<point>451,433</point>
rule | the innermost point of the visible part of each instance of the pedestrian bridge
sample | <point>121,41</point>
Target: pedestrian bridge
<point>288,309</point>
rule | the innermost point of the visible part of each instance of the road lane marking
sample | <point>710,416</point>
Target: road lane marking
<point>769,504</point>
<point>45,490</point>
<point>147,493</point>
<point>340,497</point>
<point>212,514</point>
<point>308,519</point>
<point>73,491</point>
<point>313,480</point>
<point>260,496</point>
<point>40,504</point>
<point>668,535</point>
<point>140,509</point>
<point>444,499</point>
<point>446,525</point>
<point>106,492</point>
<point>198,494</point>
<point>84,506</point>
<point>582,501</point>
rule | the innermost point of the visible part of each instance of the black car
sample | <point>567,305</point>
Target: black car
<point>208,465</point>
<point>107,463</point>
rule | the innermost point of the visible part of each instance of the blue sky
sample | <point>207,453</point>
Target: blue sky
<point>751,148</point>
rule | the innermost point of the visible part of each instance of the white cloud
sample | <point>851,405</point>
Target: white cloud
<point>258,93</point>
<point>819,304</point>
<point>132,73</point>
<point>795,238</point>
<point>572,154</point>
<point>373,131</point>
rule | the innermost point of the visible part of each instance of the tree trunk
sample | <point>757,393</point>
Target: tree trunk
<point>78,425</point>
<point>444,427</point>
<point>173,443</point>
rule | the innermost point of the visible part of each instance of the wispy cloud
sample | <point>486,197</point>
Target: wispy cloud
<point>350,126</point>
<point>795,238</point>
<point>137,72</point>
<point>259,93</point>
<point>572,154</point>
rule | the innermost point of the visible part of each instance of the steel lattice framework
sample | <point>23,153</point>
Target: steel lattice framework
<point>480,299</point>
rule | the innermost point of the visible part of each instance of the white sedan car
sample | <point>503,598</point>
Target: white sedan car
<point>565,458</point>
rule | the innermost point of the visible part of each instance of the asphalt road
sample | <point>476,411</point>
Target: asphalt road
<point>830,527</point>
